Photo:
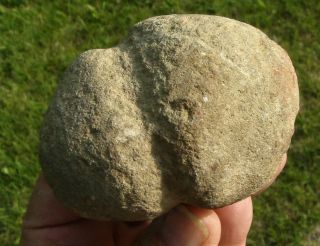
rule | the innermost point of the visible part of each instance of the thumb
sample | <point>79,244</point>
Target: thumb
<point>183,225</point>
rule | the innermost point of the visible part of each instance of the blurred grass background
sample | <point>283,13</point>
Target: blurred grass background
<point>39,38</point>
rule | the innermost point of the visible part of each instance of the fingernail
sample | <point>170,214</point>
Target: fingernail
<point>181,227</point>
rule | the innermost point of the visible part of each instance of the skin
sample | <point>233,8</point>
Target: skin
<point>48,223</point>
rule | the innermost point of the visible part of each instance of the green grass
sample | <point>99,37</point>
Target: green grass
<point>38,39</point>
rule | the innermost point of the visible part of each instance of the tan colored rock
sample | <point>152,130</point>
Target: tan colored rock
<point>190,109</point>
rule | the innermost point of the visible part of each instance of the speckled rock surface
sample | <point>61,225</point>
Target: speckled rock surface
<point>187,109</point>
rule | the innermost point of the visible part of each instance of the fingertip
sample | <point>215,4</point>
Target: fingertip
<point>235,221</point>
<point>212,222</point>
<point>184,225</point>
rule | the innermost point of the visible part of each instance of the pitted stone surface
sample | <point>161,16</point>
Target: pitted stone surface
<point>189,109</point>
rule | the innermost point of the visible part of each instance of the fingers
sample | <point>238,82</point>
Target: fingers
<point>48,223</point>
<point>81,233</point>
<point>125,233</point>
<point>235,220</point>
<point>212,222</point>
<point>184,225</point>
<point>44,209</point>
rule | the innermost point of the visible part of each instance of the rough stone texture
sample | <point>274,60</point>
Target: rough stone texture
<point>188,109</point>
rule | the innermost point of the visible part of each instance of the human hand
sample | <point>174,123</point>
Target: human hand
<point>48,223</point>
